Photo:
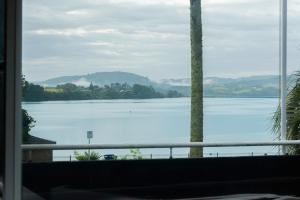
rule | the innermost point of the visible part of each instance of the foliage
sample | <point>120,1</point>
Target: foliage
<point>173,94</point>
<point>69,91</point>
<point>54,90</point>
<point>28,123</point>
<point>135,154</point>
<point>293,116</point>
<point>32,92</point>
<point>85,156</point>
<point>235,90</point>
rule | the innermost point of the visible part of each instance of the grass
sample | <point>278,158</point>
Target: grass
<point>53,90</point>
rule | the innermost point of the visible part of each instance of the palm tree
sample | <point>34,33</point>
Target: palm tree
<point>197,77</point>
<point>293,116</point>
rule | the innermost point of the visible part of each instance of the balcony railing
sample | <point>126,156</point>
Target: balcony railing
<point>156,145</point>
<point>170,146</point>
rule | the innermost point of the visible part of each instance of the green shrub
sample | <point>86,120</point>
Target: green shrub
<point>28,123</point>
<point>136,154</point>
<point>85,156</point>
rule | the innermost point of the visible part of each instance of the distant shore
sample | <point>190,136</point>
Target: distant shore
<point>206,97</point>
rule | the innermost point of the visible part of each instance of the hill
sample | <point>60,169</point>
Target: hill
<point>252,86</point>
<point>99,78</point>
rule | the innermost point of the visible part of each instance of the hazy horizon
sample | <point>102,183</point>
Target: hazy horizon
<point>225,77</point>
<point>167,78</point>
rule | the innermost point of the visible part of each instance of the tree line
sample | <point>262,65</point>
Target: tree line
<point>69,91</point>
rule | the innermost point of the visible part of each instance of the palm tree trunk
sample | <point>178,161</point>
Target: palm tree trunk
<point>197,77</point>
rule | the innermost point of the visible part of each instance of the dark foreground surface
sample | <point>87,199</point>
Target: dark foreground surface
<point>269,177</point>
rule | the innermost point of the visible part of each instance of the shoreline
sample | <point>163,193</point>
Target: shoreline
<point>205,97</point>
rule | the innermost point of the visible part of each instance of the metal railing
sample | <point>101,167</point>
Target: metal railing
<point>153,156</point>
<point>170,146</point>
<point>155,146</point>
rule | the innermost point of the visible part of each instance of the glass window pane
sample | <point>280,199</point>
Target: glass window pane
<point>241,83</point>
<point>119,72</point>
<point>135,45</point>
<point>118,59</point>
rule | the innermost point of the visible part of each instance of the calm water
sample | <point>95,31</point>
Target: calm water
<point>155,121</point>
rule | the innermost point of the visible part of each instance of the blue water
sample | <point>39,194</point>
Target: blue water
<point>155,121</point>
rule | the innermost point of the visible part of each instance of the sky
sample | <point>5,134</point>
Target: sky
<point>151,37</point>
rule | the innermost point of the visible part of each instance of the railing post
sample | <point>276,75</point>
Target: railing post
<point>30,156</point>
<point>171,152</point>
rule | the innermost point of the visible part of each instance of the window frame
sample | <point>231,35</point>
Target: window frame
<point>13,122</point>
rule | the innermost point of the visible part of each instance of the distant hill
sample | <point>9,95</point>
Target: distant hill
<point>99,78</point>
<point>252,86</point>
<point>267,80</point>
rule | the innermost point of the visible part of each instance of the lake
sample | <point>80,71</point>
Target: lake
<point>155,121</point>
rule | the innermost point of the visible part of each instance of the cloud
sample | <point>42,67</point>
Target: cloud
<point>80,31</point>
<point>100,43</point>
<point>42,61</point>
<point>159,35</point>
<point>147,2</point>
<point>152,38</point>
<point>79,13</point>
